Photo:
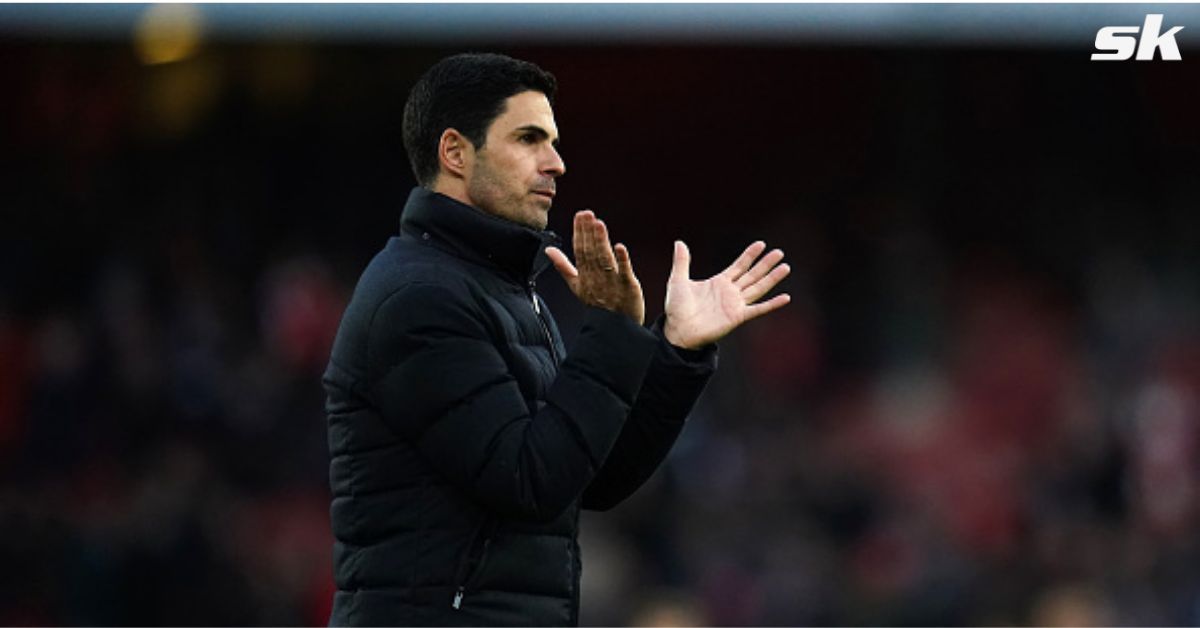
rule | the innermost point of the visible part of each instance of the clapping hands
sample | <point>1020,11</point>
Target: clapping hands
<point>697,312</point>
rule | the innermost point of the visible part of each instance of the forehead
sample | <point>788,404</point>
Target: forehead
<point>530,108</point>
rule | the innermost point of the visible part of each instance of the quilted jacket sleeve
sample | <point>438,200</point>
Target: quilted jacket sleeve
<point>440,381</point>
<point>673,383</point>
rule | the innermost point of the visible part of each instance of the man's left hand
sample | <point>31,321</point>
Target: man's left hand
<point>701,312</point>
<point>604,277</point>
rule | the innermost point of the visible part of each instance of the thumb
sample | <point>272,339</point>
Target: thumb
<point>624,263</point>
<point>680,267</point>
<point>562,265</point>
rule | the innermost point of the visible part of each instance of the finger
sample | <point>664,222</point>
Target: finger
<point>756,290</point>
<point>581,238</point>
<point>595,245</point>
<point>604,252</point>
<point>766,307</point>
<point>742,263</point>
<point>760,268</point>
<point>681,264</point>
<point>564,267</point>
<point>561,263</point>
<point>624,263</point>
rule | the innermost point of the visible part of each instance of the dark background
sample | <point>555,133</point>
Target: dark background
<point>980,408</point>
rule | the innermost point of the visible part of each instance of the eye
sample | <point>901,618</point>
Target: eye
<point>528,138</point>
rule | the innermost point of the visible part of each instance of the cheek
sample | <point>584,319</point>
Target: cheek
<point>494,184</point>
<point>517,166</point>
<point>516,174</point>
<point>505,175</point>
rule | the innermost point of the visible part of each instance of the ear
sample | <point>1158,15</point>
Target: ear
<point>455,152</point>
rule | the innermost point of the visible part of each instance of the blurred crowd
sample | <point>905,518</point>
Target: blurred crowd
<point>982,406</point>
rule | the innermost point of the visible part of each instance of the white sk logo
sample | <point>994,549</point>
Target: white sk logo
<point>1121,42</point>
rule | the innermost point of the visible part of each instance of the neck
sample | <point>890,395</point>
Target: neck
<point>470,233</point>
<point>454,188</point>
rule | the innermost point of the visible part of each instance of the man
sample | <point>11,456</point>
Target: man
<point>464,438</point>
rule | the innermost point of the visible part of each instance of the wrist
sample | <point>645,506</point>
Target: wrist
<point>633,313</point>
<point>672,335</point>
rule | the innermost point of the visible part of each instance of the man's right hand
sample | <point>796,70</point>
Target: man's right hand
<point>602,275</point>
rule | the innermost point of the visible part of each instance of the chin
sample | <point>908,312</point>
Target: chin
<point>538,217</point>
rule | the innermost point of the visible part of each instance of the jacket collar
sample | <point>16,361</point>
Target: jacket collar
<point>467,232</point>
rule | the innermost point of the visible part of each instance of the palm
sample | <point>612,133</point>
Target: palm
<point>702,312</point>
<point>704,309</point>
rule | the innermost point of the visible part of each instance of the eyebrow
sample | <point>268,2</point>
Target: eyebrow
<point>538,131</point>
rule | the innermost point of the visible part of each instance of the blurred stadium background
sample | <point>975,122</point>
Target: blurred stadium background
<point>982,406</point>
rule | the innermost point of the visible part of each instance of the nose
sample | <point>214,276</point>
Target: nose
<point>553,164</point>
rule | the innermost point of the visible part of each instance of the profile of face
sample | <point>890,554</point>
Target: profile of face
<point>513,175</point>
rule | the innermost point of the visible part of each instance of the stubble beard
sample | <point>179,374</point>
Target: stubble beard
<point>489,193</point>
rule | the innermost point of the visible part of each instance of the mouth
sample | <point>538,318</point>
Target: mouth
<point>546,194</point>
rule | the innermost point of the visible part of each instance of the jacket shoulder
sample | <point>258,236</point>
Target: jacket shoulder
<point>404,262</point>
<point>404,272</point>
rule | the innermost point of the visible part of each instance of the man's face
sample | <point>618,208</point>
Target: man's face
<point>513,175</point>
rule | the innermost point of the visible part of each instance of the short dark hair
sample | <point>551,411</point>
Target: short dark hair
<point>465,92</point>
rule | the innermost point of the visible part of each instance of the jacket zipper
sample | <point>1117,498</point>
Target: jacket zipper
<point>537,310</point>
<point>468,571</point>
<point>462,588</point>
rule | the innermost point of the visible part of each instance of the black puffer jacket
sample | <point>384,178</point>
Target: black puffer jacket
<point>464,440</point>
